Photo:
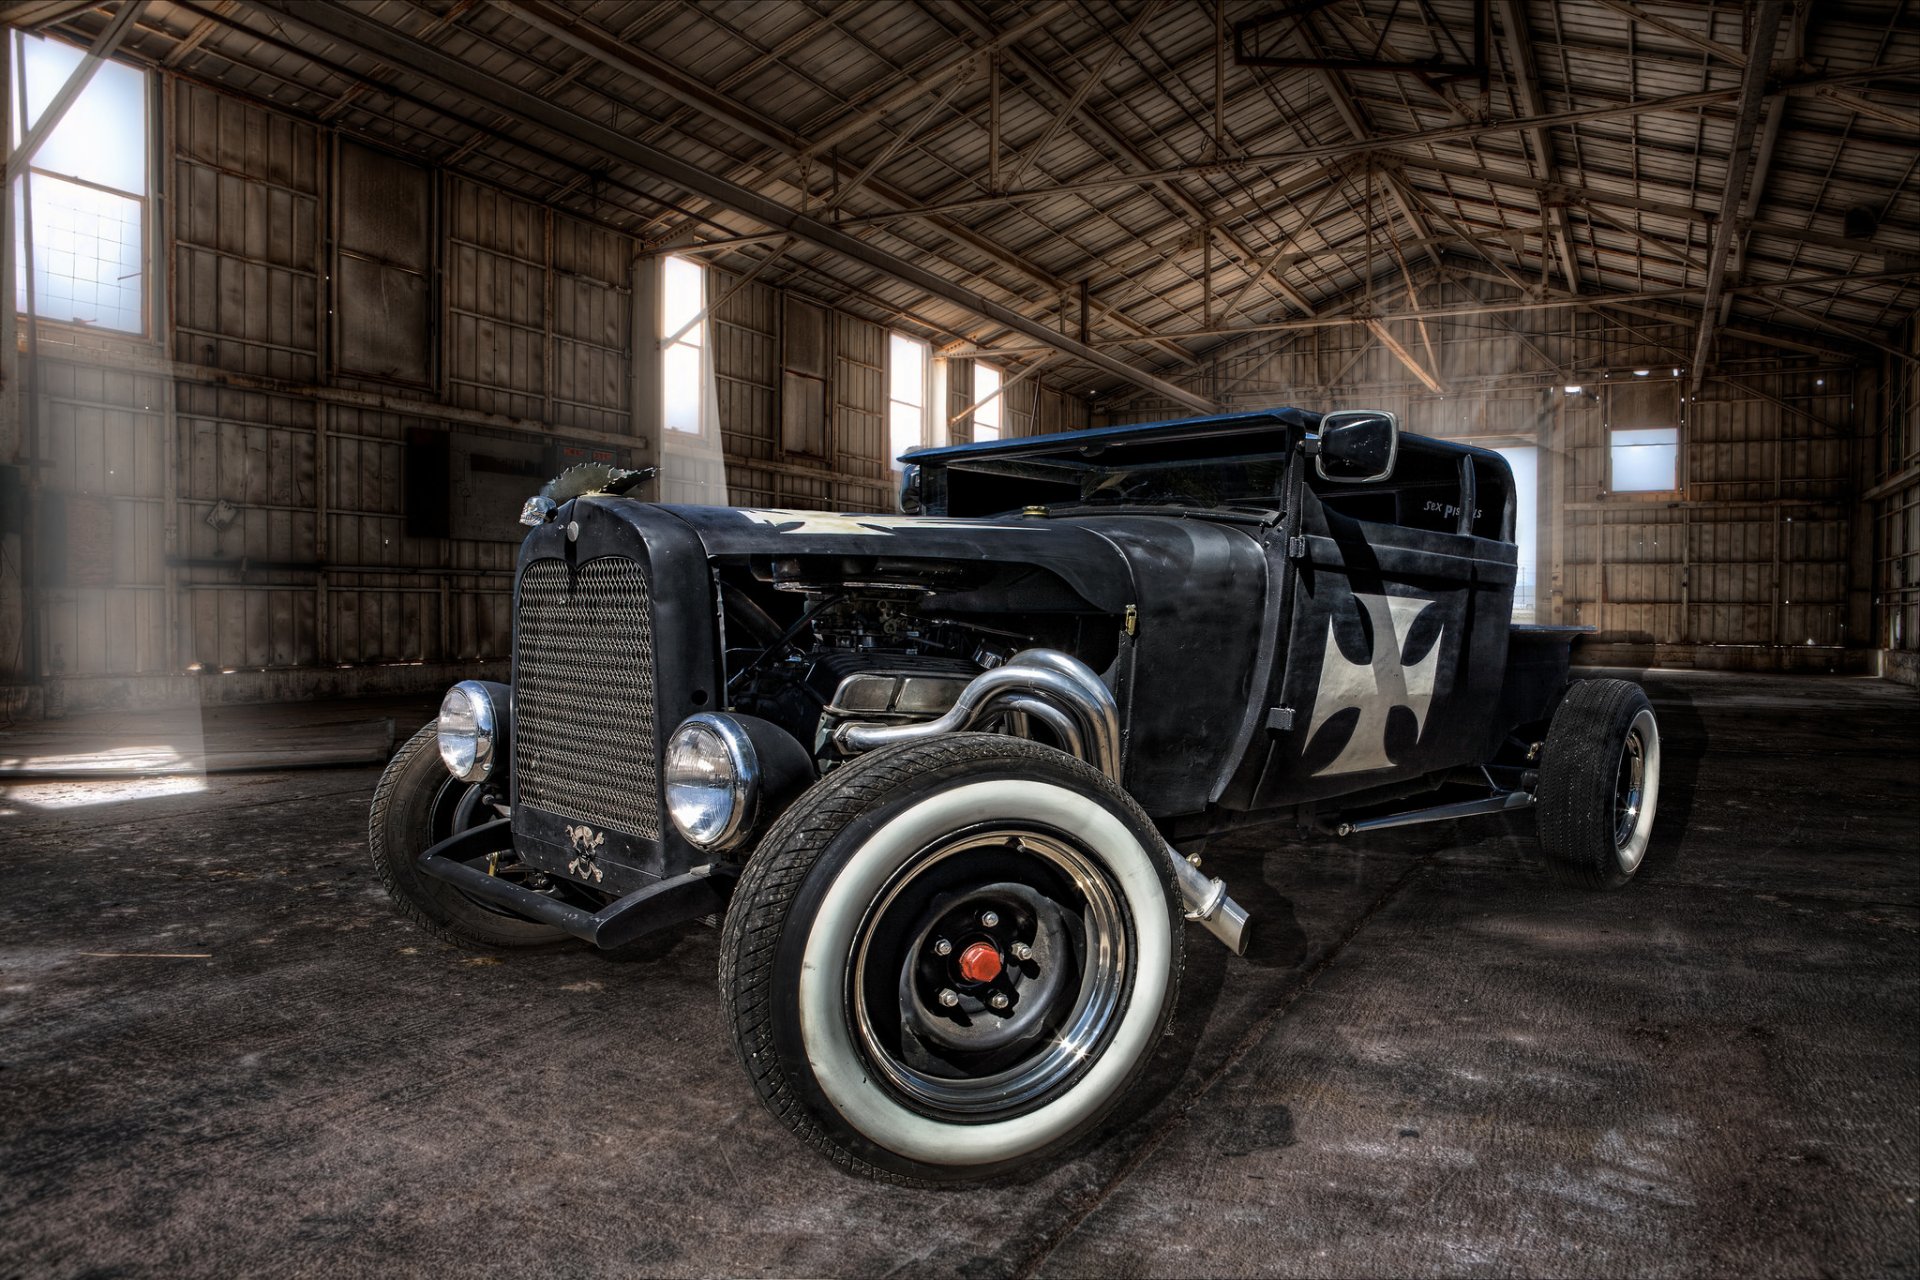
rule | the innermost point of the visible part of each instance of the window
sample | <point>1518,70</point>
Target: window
<point>1645,460</point>
<point>987,402</point>
<point>87,188</point>
<point>906,396</point>
<point>683,297</point>
<point>1525,461</point>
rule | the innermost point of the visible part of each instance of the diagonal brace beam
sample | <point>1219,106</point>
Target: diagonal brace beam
<point>105,43</point>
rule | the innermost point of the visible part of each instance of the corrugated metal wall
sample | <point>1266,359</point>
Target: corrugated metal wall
<point>1753,551</point>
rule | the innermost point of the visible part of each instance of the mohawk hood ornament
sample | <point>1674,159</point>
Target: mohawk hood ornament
<point>579,481</point>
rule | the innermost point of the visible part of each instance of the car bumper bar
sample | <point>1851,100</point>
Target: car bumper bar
<point>701,891</point>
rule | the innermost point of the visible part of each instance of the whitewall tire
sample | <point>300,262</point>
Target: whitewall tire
<point>952,958</point>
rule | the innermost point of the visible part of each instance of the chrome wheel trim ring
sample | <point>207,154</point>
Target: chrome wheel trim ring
<point>835,1061</point>
<point>1636,789</point>
<point>1103,963</point>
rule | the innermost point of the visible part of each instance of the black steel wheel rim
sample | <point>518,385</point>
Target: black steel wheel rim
<point>1040,911</point>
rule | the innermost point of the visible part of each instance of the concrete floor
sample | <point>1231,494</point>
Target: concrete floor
<point>1434,1062</point>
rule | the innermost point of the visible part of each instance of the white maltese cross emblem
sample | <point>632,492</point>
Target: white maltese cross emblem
<point>1377,686</point>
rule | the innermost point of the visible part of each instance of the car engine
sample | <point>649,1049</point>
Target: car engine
<point>811,644</point>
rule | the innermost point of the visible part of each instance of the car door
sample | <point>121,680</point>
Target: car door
<point>1397,634</point>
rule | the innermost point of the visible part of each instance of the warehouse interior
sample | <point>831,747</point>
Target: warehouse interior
<point>309,297</point>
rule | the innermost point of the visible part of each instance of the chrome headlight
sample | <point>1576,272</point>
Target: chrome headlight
<point>469,731</point>
<point>712,779</point>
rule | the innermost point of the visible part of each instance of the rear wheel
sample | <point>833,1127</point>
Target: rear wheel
<point>417,805</point>
<point>1599,784</point>
<point>952,958</point>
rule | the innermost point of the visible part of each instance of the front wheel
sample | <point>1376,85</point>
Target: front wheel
<point>952,958</point>
<point>1599,783</point>
<point>417,805</point>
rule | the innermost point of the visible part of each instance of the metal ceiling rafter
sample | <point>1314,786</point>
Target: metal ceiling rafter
<point>1132,155</point>
<point>1677,254</point>
<point>384,43</point>
<point>1753,84</point>
<point>201,30</point>
<point>1776,110</point>
<point>790,148</point>
<point>1726,53</point>
<point>1356,123</point>
<point>1556,302</point>
<point>1094,77</point>
<point>1064,234</point>
<point>30,16</point>
<point>478,131</point>
<point>1737,58</point>
<point>1513,28</point>
<point>1220,203</point>
<point>1388,146</point>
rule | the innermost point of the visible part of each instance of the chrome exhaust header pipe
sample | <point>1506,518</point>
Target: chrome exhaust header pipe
<point>1208,905</point>
<point>1049,685</point>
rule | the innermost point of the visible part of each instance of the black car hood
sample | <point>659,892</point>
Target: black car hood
<point>1078,554</point>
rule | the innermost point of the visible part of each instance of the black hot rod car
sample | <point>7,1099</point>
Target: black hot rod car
<point>946,774</point>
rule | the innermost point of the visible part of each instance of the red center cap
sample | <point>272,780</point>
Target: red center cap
<point>980,962</point>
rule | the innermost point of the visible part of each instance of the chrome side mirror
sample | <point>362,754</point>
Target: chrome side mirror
<point>1357,446</point>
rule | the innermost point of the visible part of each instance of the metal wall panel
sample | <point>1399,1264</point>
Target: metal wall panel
<point>245,237</point>
<point>859,437</point>
<point>103,433</point>
<point>592,328</point>
<point>382,265</point>
<point>959,399</point>
<point>496,287</point>
<point>745,332</point>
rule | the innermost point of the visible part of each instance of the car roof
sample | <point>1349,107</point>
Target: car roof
<point>1211,436</point>
<point>1258,422</point>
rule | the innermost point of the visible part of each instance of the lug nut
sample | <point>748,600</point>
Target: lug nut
<point>943,948</point>
<point>949,997</point>
<point>989,919</point>
<point>998,1000</point>
<point>1021,951</point>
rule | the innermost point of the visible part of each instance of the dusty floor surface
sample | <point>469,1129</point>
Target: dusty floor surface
<point>1435,1062</point>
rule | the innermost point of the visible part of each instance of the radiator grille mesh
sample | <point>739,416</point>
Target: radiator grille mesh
<point>585,744</point>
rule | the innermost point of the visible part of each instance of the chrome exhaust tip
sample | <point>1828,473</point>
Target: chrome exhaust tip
<point>1208,905</point>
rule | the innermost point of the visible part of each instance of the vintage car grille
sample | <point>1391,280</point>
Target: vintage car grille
<point>584,743</point>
